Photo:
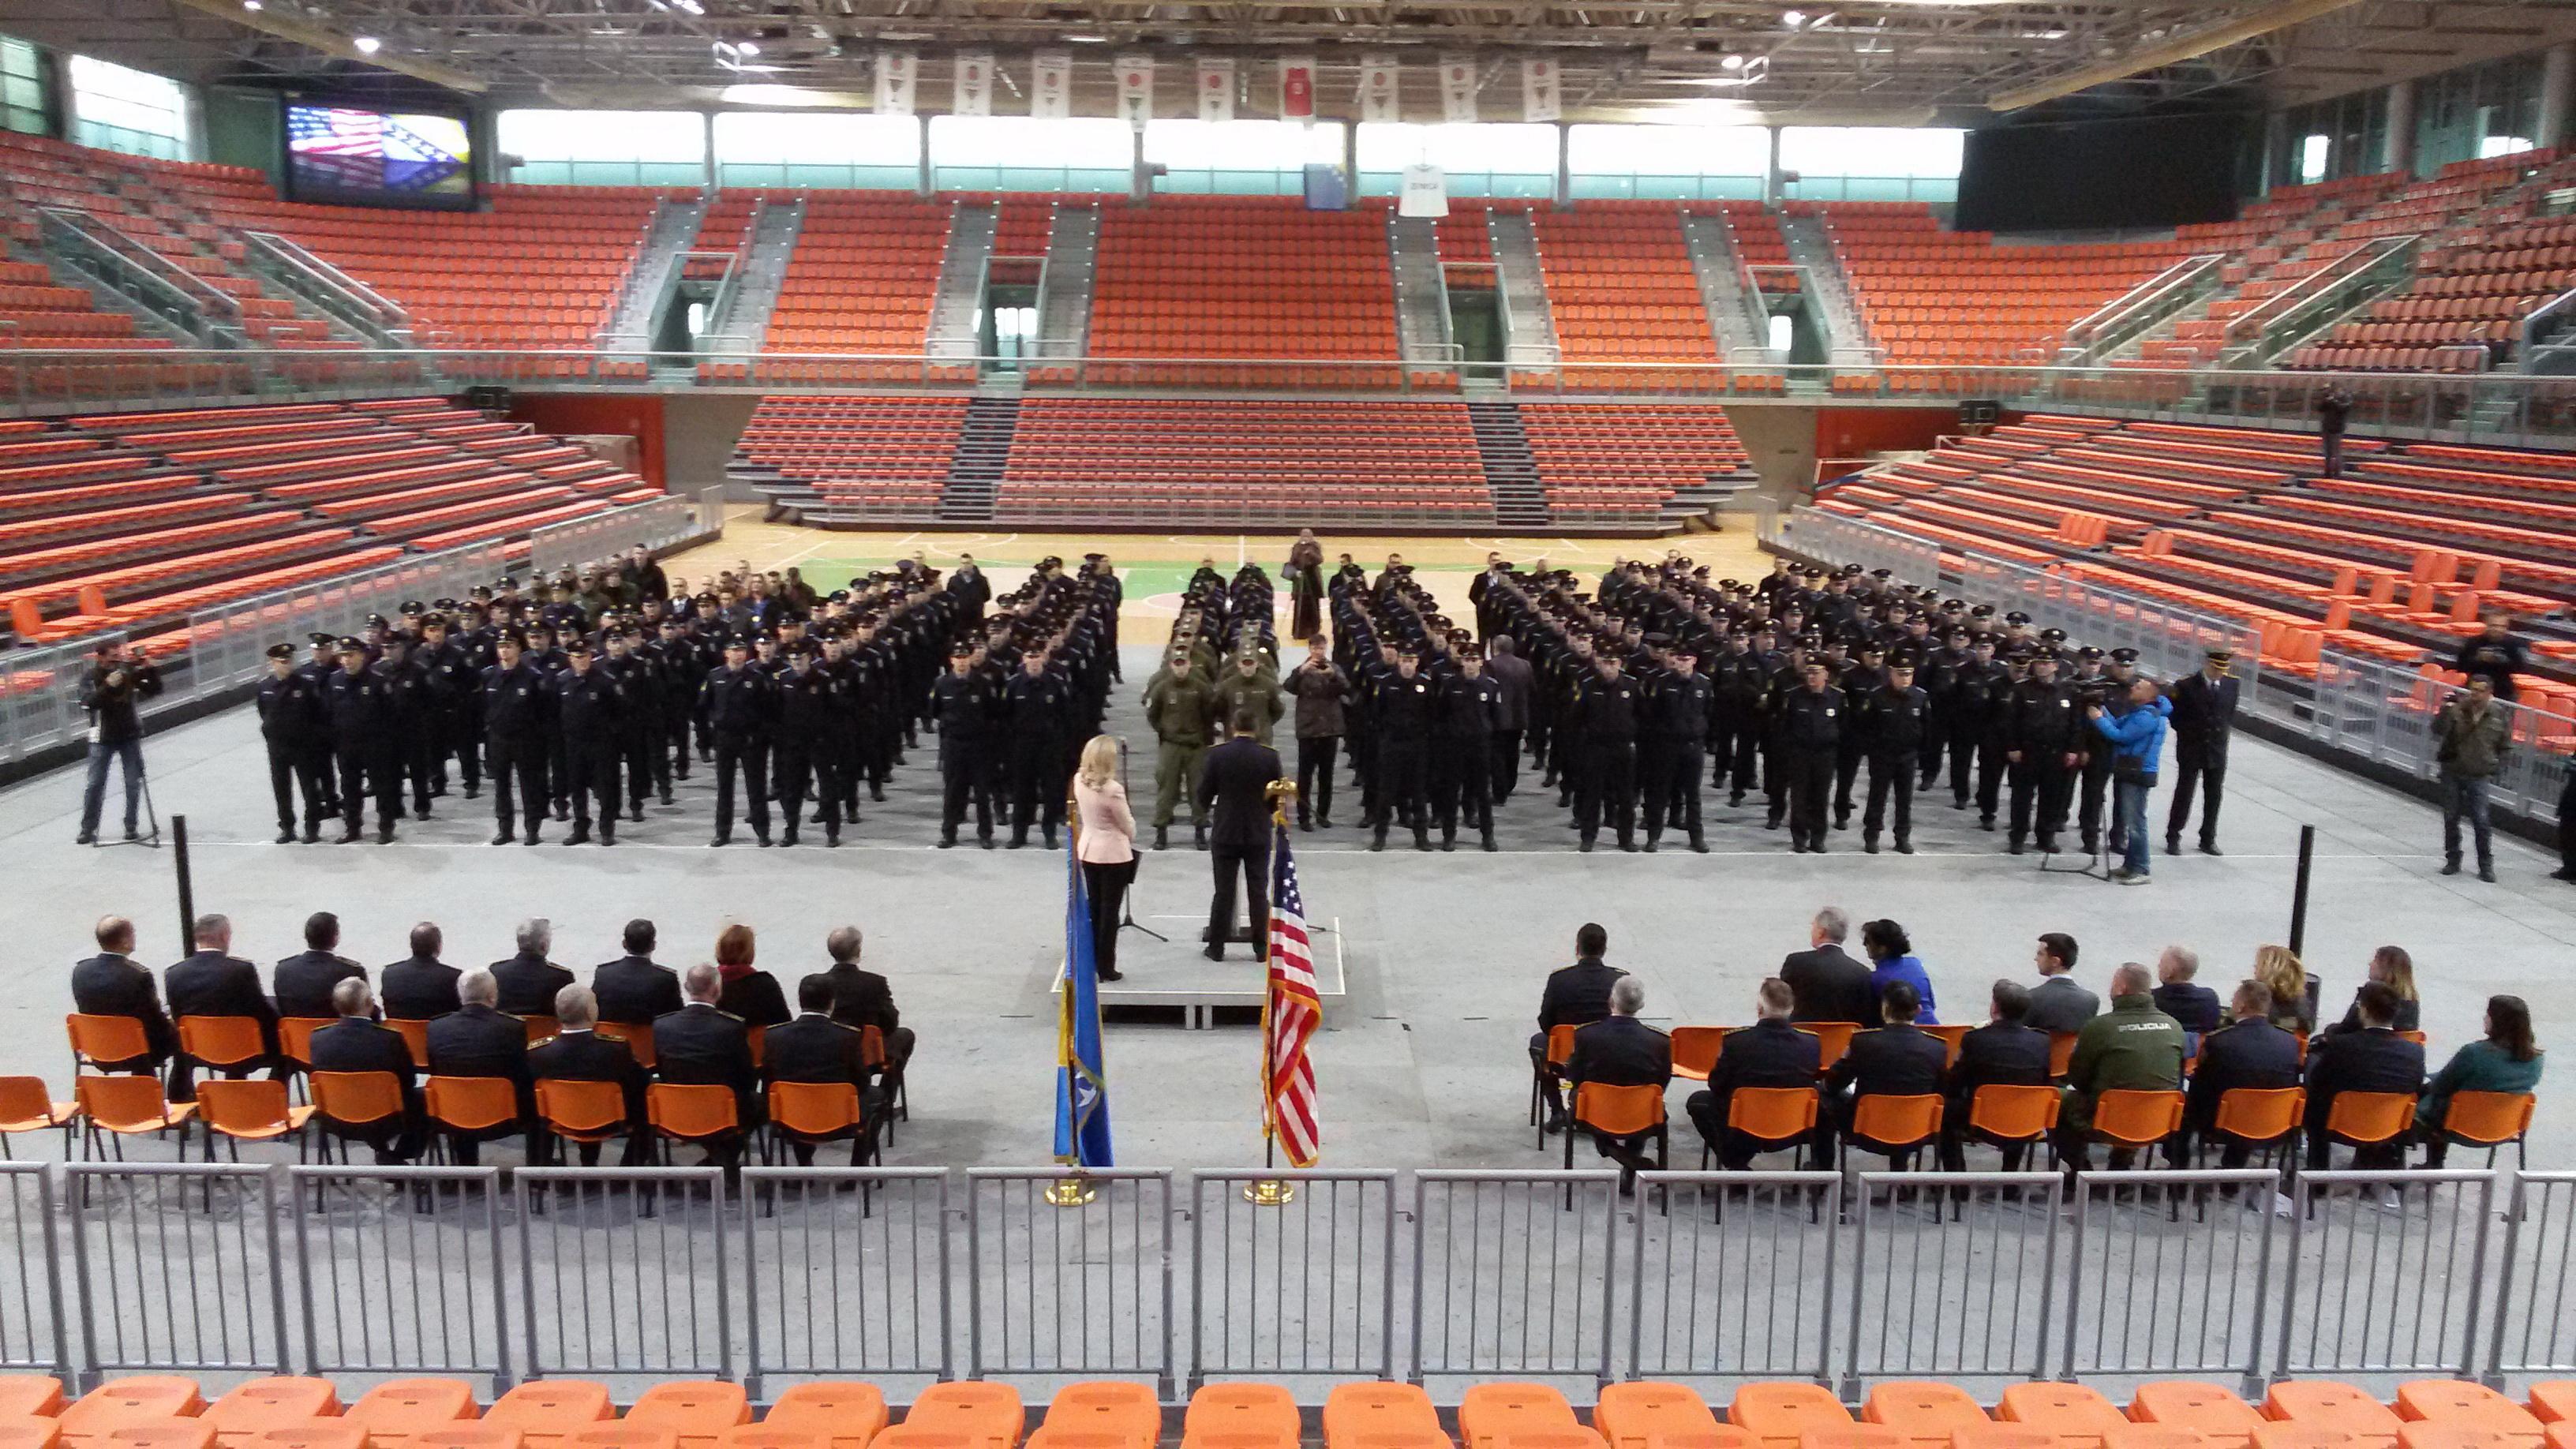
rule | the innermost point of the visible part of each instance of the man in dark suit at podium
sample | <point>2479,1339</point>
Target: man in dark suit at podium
<point>1236,779</point>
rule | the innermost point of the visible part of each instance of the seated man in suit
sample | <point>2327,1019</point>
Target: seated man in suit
<point>2057,1004</point>
<point>1898,1059</point>
<point>2004,1052</point>
<point>2249,1052</point>
<point>356,1043</point>
<point>1769,1053</point>
<point>1621,1051</point>
<point>528,981</point>
<point>812,1047</point>
<point>2182,998</point>
<point>699,1045</point>
<point>1235,778</point>
<point>634,989</point>
<point>1824,981</point>
<point>1576,996</point>
<point>2373,1059</point>
<point>2133,1047</point>
<point>420,987</point>
<point>113,983</point>
<point>580,1054</point>
<point>478,1039</point>
<point>304,981</point>
<point>862,999</point>
<point>214,982</point>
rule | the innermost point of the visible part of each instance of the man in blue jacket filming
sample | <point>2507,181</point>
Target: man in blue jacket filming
<point>2136,729</point>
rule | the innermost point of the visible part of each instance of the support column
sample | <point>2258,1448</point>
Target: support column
<point>1350,159</point>
<point>1140,181</point>
<point>2398,154</point>
<point>2557,94</point>
<point>1771,171</point>
<point>65,115</point>
<point>709,177</point>
<point>924,185</point>
<point>1564,189</point>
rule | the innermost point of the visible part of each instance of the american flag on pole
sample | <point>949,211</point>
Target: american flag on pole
<point>1290,1014</point>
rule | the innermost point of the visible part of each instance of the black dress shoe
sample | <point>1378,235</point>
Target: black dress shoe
<point>1585,847</point>
<point>580,836</point>
<point>1323,822</point>
<point>764,839</point>
<point>286,837</point>
<point>720,840</point>
<point>1905,847</point>
<point>348,836</point>
<point>312,833</point>
<point>1162,837</point>
<point>505,838</point>
<point>2173,844</point>
<point>1213,953</point>
<point>2209,847</point>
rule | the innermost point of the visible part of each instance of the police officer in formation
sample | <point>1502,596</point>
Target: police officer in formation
<point>582,699</point>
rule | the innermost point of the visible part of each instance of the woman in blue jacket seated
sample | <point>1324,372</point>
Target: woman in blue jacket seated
<point>1891,960</point>
<point>2137,736</point>
<point>2507,1062</point>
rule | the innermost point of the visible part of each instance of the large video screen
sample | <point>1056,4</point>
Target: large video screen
<point>355,155</point>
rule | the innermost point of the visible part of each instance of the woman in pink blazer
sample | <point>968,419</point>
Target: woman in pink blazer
<point>1105,842</point>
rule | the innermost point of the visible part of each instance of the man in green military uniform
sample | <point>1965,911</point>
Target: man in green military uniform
<point>2133,1047</point>
<point>1179,704</point>
<point>1251,685</point>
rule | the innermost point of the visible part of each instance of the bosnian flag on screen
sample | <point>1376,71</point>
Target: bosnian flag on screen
<point>360,150</point>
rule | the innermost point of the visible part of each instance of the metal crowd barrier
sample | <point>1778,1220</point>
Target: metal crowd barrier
<point>632,1275</point>
<point>656,524</point>
<point>2378,712</point>
<point>228,646</point>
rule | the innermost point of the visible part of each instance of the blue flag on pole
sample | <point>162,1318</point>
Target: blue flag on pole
<point>1081,1081</point>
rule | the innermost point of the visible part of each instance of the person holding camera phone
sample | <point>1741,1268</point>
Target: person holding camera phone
<point>119,679</point>
<point>2137,737</point>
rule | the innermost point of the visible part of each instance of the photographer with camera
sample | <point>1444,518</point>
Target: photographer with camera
<point>119,679</point>
<point>2471,735</point>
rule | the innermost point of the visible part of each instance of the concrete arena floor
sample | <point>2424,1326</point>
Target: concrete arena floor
<point>1422,1065</point>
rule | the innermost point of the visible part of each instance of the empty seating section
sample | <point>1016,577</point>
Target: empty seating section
<point>1931,297</point>
<point>1262,461</point>
<point>1621,289</point>
<point>862,280</point>
<point>158,205</point>
<point>1210,278</point>
<point>2397,557</point>
<point>538,271</point>
<point>879,451</point>
<point>1022,225</point>
<point>134,520</point>
<point>1628,458</point>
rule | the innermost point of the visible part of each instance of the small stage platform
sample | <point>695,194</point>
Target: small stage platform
<point>1171,981</point>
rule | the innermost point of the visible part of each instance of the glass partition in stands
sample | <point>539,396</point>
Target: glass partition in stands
<point>1020,153</point>
<point>22,87</point>
<point>1687,163</point>
<point>1239,158</point>
<point>120,109</point>
<point>1487,159</point>
<point>1873,163</point>
<point>823,149</point>
<point>604,148</point>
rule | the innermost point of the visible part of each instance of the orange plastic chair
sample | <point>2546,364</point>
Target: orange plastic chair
<point>820,1112</point>
<point>1850,1436</point>
<point>32,1396</point>
<point>2325,1404</point>
<point>30,1431</point>
<point>2435,1434</point>
<point>1621,1112</point>
<point>2296,1434</point>
<point>2477,1119</point>
<point>25,1106</point>
<point>1695,1050</point>
<point>2260,1117</point>
<point>638,1038</point>
<point>248,1111</point>
<point>2061,1053</point>
<point>222,1043</point>
<point>695,1410</point>
<point>2458,1401</point>
<point>272,1403</point>
<point>680,1112</point>
<point>1896,1127</point>
<point>159,1434</point>
<point>541,1028</point>
<point>1924,1412</point>
<point>2562,1435</point>
<point>2001,1436</point>
<point>1778,1413</point>
<point>2136,1119</point>
<point>2077,1415</point>
<point>97,1039</point>
<point>631,1435</point>
<point>545,1411</point>
<point>2553,1401</point>
<point>987,1414</point>
<point>125,1107</point>
<point>585,1112</point>
<point>415,1035</point>
<point>1240,1416</point>
<point>2004,1116</point>
<point>847,1415</point>
<point>394,1413</point>
<point>2134,1435</point>
<point>2218,1416</point>
<point>1833,1038</point>
<point>1652,1415</point>
<point>1381,1416</point>
<point>462,1435</point>
<point>295,1037</point>
<point>469,1104</point>
<point>1778,1117</point>
<point>1560,1048</point>
<point>2370,1119</point>
<point>309,1434</point>
<point>1490,1410</point>
<point>349,1100</point>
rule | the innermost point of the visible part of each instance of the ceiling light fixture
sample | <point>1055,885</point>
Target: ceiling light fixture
<point>1793,18</point>
<point>367,44</point>
<point>251,5</point>
<point>749,47</point>
<point>1731,61</point>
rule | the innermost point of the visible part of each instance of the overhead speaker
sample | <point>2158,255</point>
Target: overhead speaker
<point>488,397</point>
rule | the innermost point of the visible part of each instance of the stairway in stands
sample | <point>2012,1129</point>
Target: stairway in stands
<point>983,450</point>
<point>1511,474</point>
<point>1809,247</point>
<point>958,303</point>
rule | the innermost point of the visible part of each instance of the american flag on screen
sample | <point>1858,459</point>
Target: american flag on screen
<point>1291,1014</point>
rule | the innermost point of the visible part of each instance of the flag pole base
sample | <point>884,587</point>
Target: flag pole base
<point>1070,1192</point>
<point>1269,1192</point>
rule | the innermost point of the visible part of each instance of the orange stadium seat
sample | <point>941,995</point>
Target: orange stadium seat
<point>1381,1416</point>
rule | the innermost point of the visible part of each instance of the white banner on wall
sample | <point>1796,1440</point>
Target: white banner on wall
<point>1381,89</point>
<point>1297,89</point>
<point>1425,193</point>
<point>974,90</point>
<point>1135,89</point>
<point>1051,85</point>
<point>896,72</point>
<point>1458,89</point>
<point>1540,77</point>
<point>1216,88</point>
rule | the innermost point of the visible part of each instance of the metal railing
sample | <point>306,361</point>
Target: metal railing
<point>2116,322</point>
<point>334,291</point>
<point>631,1274</point>
<point>2382,713</point>
<point>2297,312</point>
<point>143,276</point>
